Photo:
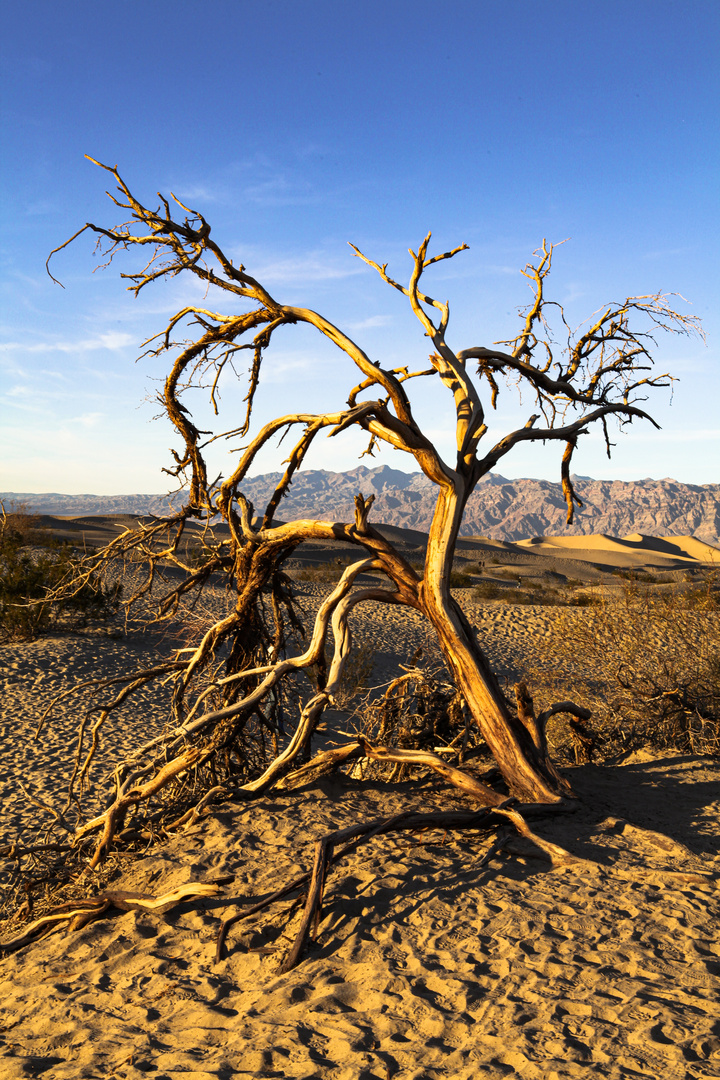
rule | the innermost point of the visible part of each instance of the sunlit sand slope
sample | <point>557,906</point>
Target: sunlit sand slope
<point>634,549</point>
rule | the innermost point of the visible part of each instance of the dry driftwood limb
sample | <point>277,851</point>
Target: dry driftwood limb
<point>199,810</point>
<point>564,707</point>
<point>59,817</point>
<point>110,819</point>
<point>457,777</point>
<point>355,834</point>
<point>12,851</point>
<point>78,913</point>
<point>330,760</point>
<point>322,764</point>
<point>558,856</point>
<point>525,842</point>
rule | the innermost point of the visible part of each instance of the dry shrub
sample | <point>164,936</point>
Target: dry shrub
<point>420,710</point>
<point>356,675</point>
<point>32,568</point>
<point>647,663</point>
<point>460,580</point>
<point>533,593</point>
<point>325,573</point>
<point>486,590</point>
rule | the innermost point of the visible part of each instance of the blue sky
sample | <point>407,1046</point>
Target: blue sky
<point>296,127</point>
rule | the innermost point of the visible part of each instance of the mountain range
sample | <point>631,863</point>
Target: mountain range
<point>499,508</point>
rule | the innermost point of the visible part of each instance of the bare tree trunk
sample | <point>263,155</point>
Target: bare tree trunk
<point>527,769</point>
<point>514,739</point>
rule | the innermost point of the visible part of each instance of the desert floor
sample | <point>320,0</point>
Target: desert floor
<point>426,965</point>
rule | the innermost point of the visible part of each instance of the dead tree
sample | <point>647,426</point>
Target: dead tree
<point>602,372</point>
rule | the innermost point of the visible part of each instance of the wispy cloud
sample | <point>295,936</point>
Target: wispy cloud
<point>574,290</point>
<point>112,340</point>
<point>282,191</point>
<point>497,268</point>
<point>258,179</point>
<point>370,323</point>
<point>35,282</point>
<point>679,435</point>
<point>38,399</point>
<point>664,253</point>
<point>41,207</point>
<point>282,367</point>
<point>87,420</point>
<point>313,266</point>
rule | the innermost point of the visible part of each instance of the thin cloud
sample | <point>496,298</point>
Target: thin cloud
<point>258,181</point>
<point>19,391</point>
<point>112,340</point>
<point>87,420</point>
<point>496,268</point>
<point>41,208</point>
<point>681,435</point>
<point>305,268</point>
<point>664,253</point>
<point>371,323</point>
<point>277,369</point>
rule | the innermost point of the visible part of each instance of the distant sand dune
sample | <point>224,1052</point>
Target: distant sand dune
<point>643,550</point>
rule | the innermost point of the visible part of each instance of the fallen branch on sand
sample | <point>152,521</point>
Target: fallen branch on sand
<point>328,852</point>
<point>513,836</point>
<point>79,913</point>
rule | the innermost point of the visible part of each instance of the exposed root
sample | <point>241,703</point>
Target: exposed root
<point>328,851</point>
<point>79,913</point>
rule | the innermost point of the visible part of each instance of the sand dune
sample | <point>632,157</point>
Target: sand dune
<point>637,548</point>
<point>689,545</point>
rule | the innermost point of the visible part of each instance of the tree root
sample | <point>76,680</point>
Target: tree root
<point>328,851</point>
<point>79,913</point>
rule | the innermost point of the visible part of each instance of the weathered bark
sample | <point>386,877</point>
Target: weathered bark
<point>527,770</point>
<point>525,764</point>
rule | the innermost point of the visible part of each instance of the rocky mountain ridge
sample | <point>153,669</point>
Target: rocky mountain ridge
<point>499,508</point>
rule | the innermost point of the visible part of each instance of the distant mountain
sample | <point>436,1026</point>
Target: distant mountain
<point>51,502</point>
<point>499,508</point>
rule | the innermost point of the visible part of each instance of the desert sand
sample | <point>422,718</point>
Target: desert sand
<point>426,964</point>
<point>633,550</point>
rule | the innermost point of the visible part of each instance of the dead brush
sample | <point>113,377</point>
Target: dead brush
<point>647,663</point>
<point>356,676</point>
<point>417,711</point>
<point>322,573</point>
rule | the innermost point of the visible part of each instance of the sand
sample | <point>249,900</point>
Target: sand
<point>633,550</point>
<point>426,965</point>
